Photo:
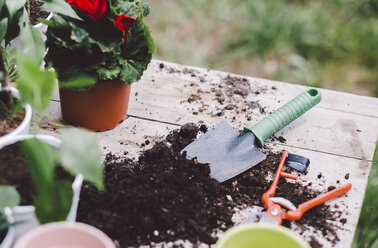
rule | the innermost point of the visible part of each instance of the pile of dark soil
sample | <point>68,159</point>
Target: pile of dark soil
<point>35,11</point>
<point>165,197</point>
<point>162,197</point>
<point>7,122</point>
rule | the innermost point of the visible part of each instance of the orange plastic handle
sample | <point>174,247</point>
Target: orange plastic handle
<point>272,190</point>
<point>304,207</point>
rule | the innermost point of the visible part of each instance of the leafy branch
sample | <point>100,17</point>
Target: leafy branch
<point>78,153</point>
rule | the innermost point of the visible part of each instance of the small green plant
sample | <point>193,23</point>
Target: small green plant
<point>14,23</point>
<point>9,198</point>
<point>77,154</point>
<point>23,66</point>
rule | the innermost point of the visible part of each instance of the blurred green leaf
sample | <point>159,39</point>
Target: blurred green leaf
<point>35,86</point>
<point>80,83</point>
<point>13,6</point>
<point>367,233</point>
<point>128,8</point>
<point>41,162</point>
<point>80,153</point>
<point>3,27</point>
<point>60,7</point>
<point>53,203</point>
<point>9,197</point>
<point>54,197</point>
<point>32,43</point>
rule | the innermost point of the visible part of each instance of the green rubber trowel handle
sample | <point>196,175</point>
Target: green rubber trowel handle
<point>284,115</point>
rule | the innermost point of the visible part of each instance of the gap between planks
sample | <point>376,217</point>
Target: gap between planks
<point>275,143</point>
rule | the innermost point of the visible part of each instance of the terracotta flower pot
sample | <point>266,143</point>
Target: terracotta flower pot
<point>100,108</point>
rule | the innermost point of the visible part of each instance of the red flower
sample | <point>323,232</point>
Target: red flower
<point>124,22</point>
<point>94,8</point>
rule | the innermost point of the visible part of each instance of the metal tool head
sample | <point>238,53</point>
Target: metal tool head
<point>227,152</point>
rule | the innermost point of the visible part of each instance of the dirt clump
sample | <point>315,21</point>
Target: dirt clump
<point>161,197</point>
<point>36,12</point>
<point>165,197</point>
<point>236,85</point>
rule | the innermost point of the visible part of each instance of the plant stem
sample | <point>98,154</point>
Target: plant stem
<point>3,82</point>
<point>28,4</point>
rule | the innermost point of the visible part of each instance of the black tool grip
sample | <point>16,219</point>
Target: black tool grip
<point>297,162</point>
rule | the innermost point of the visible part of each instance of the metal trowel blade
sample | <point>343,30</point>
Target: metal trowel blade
<point>227,151</point>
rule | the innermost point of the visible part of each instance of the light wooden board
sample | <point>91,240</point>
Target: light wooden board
<point>325,128</point>
<point>338,135</point>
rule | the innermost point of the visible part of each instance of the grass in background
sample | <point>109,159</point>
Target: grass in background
<point>330,44</point>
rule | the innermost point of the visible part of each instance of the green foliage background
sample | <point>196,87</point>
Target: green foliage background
<point>330,44</point>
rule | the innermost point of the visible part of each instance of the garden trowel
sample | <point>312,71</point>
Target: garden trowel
<point>230,153</point>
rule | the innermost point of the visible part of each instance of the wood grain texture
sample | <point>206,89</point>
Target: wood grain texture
<point>338,135</point>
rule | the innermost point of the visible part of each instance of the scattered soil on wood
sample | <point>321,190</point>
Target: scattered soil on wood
<point>14,171</point>
<point>229,97</point>
<point>36,12</point>
<point>7,123</point>
<point>165,197</point>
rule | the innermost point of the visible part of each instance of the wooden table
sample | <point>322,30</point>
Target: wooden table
<point>338,135</point>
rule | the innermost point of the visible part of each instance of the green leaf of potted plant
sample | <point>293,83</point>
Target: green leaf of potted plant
<point>13,67</point>
<point>45,174</point>
<point>10,19</point>
<point>9,198</point>
<point>97,58</point>
<point>31,13</point>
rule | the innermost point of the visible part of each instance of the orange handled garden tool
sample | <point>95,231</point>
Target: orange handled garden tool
<point>275,214</point>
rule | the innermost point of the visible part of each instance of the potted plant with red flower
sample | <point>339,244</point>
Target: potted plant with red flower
<point>97,56</point>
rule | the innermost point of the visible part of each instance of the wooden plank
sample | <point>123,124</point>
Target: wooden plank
<point>164,97</point>
<point>342,123</point>
<point>344,102</point>
<point>157,78</point>
<point>131,133</point>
